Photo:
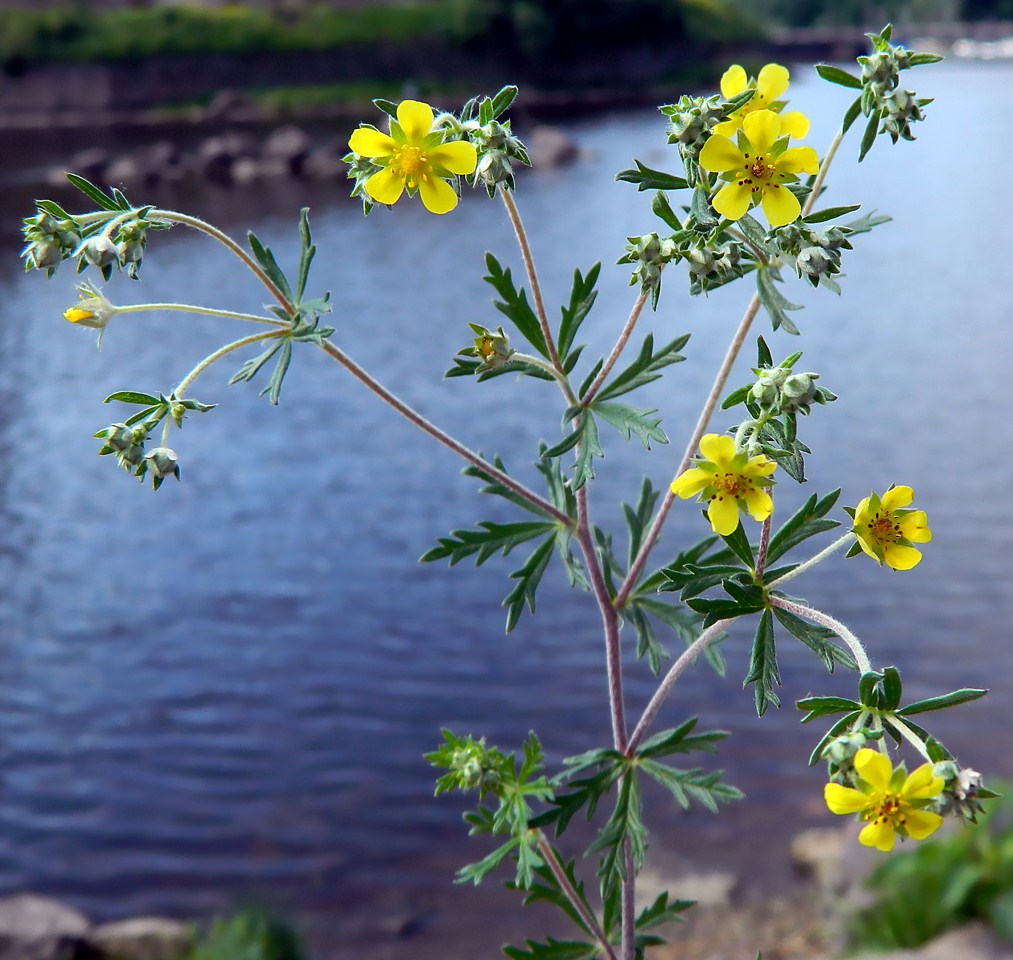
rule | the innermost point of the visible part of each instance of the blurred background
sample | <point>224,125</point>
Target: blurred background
<point>220,695</point>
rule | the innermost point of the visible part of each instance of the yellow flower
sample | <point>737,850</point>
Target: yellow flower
<point>730,481</point>
<point>91,310</point>
<point>888,800</point>
<point>414,157</point>
<point>760,171</point>
<point>885,530</point>
<point>769,85</point>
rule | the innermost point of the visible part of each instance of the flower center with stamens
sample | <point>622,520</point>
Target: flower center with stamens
<point>730,485</point>
<point>884,530</point>
<point>889,810</point>
<point>411,163</point>
<point>760,168</point>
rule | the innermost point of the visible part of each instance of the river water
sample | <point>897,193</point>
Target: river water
<point>222,693</point>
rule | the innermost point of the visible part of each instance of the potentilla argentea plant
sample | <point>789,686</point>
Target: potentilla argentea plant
<point>747,205</point>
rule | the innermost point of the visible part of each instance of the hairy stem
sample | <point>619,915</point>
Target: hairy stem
<point>637,567</point>
<point>686,658</point>
<point>230,244</point>
<point>907,733</point>
<point>188,380</point>
<point>617,350</point>
<point>761,553</point>
<point>812,561</point>
<point>209,311</point>
<point>821,174</point>
<point>825,620</point>
<point>538,362</point>
<point>437,434</point>
<point>555,865</point>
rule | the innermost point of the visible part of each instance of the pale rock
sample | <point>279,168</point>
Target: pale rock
<point>38,928</point>
<point>143,938</point>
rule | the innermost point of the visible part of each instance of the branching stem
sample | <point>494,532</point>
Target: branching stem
<point>812,561</point>
<point>186,382</point>
<point>617,350</point>
<point>825,620</point>
<point>209,311</point>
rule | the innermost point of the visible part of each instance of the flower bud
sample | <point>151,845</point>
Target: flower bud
<point>492,348</point>
<point>119,437</point>
<point>160,463</point>
<point>100,252</point>
<point>798,390</point>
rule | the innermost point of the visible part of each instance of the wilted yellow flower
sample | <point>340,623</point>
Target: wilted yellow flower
<point>730,481</point>
<point>885,530</point>
<point>760,172</point>
<point>888,800</point>
<point>769,85</point>
<point>91,310</point>
<point>414,157</point>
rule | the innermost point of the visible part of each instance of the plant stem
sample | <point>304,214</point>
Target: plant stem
<point>761,553</point>
<point>536,289</point>
<point>687,657</point>
<point>812,561</point>
<point>907,733</point>
<point>617,350</point>
<point>821,174</point>
<point>227,241</point>
<point>555,865</point>
<point>185,383</point>
<point>637,567</point>
<point>209,311</point>
<point>538,362</point>
<point>825,620</point>
<point>437,434</point>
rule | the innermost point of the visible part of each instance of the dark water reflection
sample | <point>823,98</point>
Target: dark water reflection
<point>225,690</point>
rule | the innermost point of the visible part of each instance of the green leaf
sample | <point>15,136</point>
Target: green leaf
<point>94,194</point>
<point>763,666</point>
<point>836,730</point>
<point>589,448</point>
<point>738,543</point>
<point>270,266</point>
<point>662,911</point>
<point>964,695</point>
<point>528,577</point>
<point>700,208</point>
<point>514,305</point>
<point>638,519</point>
<point>866,223</point>
<point>132,396</point>
<point>495,488</point>
<point>476,872</point>
<point>817,639</point>
<point>503,99</point>
<point>631,420</point>
<point>306,252</point>
<point>553,949</point>
<point>705,788</point>
<point>831,213</point>
<point>720,609</point>
<point>892,689</point>
<point>921,59</point>
<point>625,823</point>
<point>662,209</point>
<point>869,137</point>
<point>806,522</point>
<point>836,75</point>
<point>490,539</point>
<point>582,297</point>
<point>681,739</point>
<point>775,303</point>
<point>252,367</point>
<point>647,179</point>
<point>273,388</point>
<point>647,641</point>
<point>826,706</point>
<point>547,888</point>
<point>755,234</point>
<point>644,369</point>
<point>851,115</point>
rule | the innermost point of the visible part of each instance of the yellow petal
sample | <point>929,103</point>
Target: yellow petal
<point>385,186</point>
<point>772,82</point>
<point>727,128</point>
<point>759,504</point>
<point>723,513</point>
<point>841,799</point>
<point>690,483</point>
<point>733,81</point>
<point>720,154</point>
<point>897,497</point>
<point>732,200</point>
<point>914,527</point>
<point>798,160</point>
<point>719,448</point>
<point>900,557</point>
<point>878,834</point>
<point>437,195</point>
<point>862,512</point>
<point>922,784</point>
<point>760,466</point>
<point>867,547</point>
<point>762,127</point>
<point>76,314</point>
<point>458,156</point>
<point>794,124</point>
<point>920,823</point>
<point>416,119</point>
<point>874,768</point>
<point>370,143</point>
<point>780,205</point>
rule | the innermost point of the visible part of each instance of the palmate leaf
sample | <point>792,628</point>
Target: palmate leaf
<point>625,824</point>
<point>582,297</point>
<point>763,673</point>
<point>495,488</point>
<point>681,739</point>
<point>687,626</point>
<point>662,911</point>
<point>514,305</point>
<point>774,302</point>
<point>644,369</point>
<point>630,420</point>
<point>490,539</point>
<point>270,266</point>
<point>589,448</point>
<point>806,522</point>
<point>816,638</point>
<point>647,641</point>
<point>705,788</point>
<point>528,578</point>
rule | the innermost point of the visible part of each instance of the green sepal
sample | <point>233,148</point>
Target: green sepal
<point>763,672</point>
<point>387,106</point>
<point>892,688</point>
<point>700,208</point>
<point>647,179</point>
<point>836,75</point>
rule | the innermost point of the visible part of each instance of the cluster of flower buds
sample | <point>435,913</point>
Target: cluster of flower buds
<point>49,241</point>
<point>691,122</point>
<point>127,443</point>
<point>881,90</point>
<point>492,347</point>
<point>712,264</point>
<point>498,150</point>
<point>840,756</point>
<point>780,390</point>
<point>817,252</point>
<point>962,793</point>
<point>650,253</point>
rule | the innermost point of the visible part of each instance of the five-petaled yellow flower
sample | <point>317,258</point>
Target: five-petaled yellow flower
<point>769,85</point>
<point>888,800</point>
<point>885,530</point>
<point>760,171</point>
<point>730,480</point>
<point>414,157</point>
